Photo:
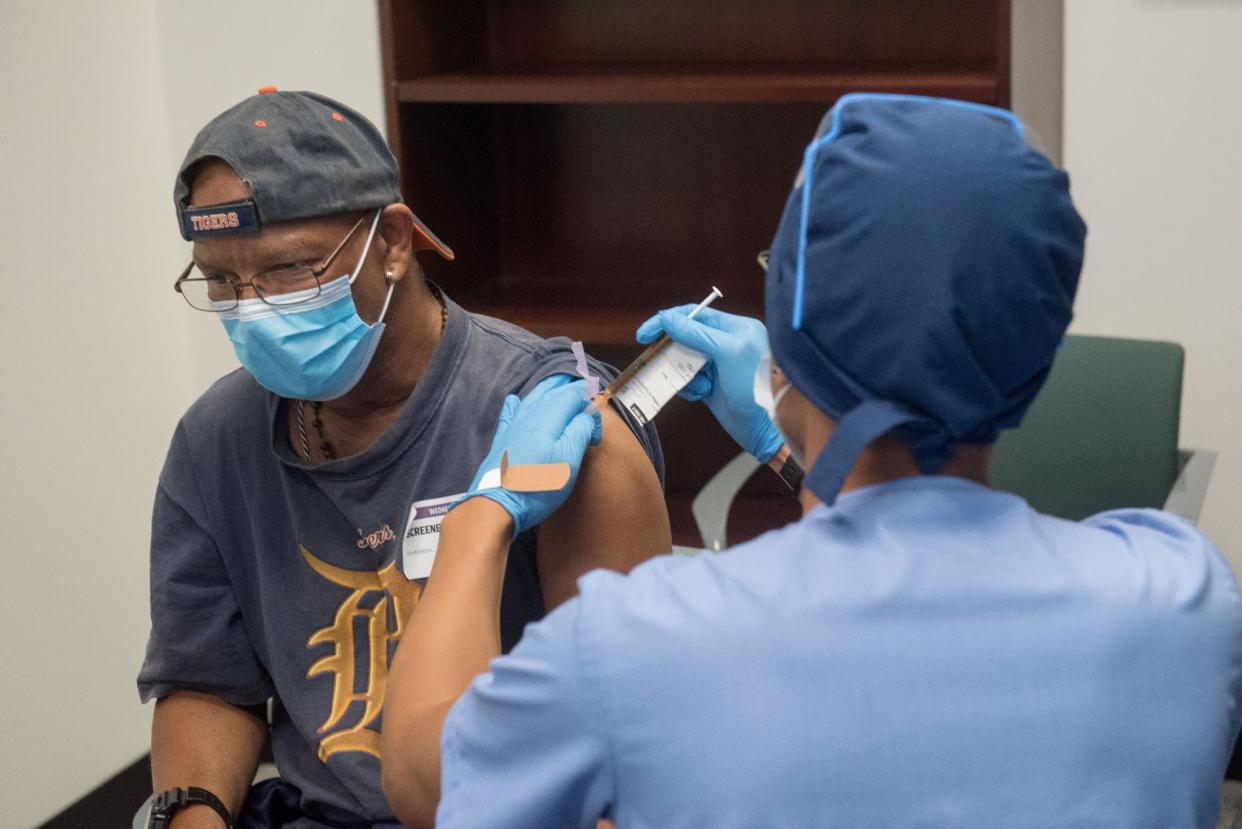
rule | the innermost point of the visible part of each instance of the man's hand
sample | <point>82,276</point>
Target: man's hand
<point>554,424</point>
<point>733,346</point>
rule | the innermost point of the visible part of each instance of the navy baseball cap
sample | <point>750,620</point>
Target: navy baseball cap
<point>302,155</point>
<point>922,276</point>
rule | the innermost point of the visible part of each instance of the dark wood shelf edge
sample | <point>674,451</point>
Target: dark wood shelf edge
<point>607,324</point>
<point>687,88</point>
<point>612,326</point>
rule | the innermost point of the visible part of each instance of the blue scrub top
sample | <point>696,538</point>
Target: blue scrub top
<point>927,652</point>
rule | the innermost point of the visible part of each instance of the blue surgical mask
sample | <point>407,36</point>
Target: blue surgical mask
<point>313,350</point>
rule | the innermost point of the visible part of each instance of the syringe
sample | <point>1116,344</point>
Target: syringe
<point>650,352</point>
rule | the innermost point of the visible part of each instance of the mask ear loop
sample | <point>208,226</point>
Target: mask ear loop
<point>366,248</point>
<point>391,283</point>
<point>762,390</point>
<point>388,278</point>
<point>780,395</point>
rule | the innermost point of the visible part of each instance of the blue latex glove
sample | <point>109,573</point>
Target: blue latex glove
<point>554,424</point>
<point>733,346</point>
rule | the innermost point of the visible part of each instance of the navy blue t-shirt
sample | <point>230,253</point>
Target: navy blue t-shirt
<point>272,578</point>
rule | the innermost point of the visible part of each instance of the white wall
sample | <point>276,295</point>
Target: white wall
<point>1037,62</point>
<point>1153,142</point>
<point>94,376</point>
<point>100,358</point>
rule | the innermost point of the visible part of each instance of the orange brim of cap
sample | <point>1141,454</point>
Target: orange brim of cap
<point>424,239</point>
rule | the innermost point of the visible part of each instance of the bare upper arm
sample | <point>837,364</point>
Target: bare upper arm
<point>615,518</point>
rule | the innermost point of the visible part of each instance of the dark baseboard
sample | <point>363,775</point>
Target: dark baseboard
<point>112,803</point>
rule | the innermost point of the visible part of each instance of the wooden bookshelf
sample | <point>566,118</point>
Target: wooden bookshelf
<point>591,161</point>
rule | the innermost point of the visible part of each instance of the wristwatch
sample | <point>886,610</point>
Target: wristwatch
<point>166,804</point>
<point>789,470</point>
<point>791,473</point>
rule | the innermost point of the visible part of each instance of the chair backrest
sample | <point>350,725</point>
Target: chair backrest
<point>1102,433</point>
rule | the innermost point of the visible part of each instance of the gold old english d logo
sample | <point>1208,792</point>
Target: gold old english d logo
<point>342,661</point>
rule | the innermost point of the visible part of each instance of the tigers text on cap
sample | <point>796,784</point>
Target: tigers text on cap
<point>922,276</point>
<point>302,155</point>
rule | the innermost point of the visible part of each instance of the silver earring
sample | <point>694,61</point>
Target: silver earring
<point>388,278</point>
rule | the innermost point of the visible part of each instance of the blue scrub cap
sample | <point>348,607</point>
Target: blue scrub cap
<point>922,276</point>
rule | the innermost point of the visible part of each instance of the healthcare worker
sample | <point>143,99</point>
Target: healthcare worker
<point>918,649</point>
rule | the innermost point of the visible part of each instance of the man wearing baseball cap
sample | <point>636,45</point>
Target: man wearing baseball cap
<point>298,513</point>
<point>918,649</point>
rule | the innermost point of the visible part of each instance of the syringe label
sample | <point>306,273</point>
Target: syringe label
<point>655,383</point>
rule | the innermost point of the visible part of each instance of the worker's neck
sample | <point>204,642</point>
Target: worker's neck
<point>888,458</point>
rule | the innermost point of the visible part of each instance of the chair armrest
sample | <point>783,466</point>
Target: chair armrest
<point>711,506</point>
<point>1190,489</point>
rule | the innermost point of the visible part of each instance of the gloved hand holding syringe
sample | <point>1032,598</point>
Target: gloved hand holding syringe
<point>658,374</point>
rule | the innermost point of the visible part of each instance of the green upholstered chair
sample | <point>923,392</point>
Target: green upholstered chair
<point>1103,434</point>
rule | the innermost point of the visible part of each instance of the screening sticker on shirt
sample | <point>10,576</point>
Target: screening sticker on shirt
<point>422,535</point>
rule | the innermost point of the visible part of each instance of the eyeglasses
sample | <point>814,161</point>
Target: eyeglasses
<point>281,287</point>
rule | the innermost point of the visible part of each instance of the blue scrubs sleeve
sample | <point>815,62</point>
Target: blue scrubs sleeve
<point>526,744</point>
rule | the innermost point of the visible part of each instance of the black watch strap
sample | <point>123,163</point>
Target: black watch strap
<point>791,474</point>
<point>168,803</point>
